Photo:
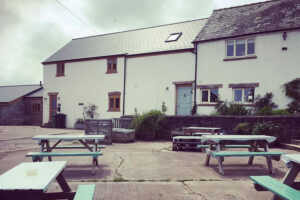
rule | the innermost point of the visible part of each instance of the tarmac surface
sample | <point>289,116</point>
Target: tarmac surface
<point>145,170</point>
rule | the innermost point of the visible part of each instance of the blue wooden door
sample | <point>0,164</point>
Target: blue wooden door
<point>184,100</point>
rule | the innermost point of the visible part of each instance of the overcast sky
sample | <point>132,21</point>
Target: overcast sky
<point>32,30</point>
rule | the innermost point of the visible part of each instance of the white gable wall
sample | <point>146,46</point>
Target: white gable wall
<point>148,78</point>
<point>84,82</point>
<point>271,69</point>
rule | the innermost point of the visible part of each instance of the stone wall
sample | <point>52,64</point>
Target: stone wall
<point>290,126</point>
<point>12,114</point>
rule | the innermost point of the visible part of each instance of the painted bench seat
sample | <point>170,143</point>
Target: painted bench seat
<point>226,146</point>
<point>77,147</point>
<point>275,186</point>
<point>85,192</point>
<point>243,153</point>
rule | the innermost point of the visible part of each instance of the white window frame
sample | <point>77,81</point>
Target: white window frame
<point>243,95</point>
<point>208,100</point>
<point>178,35</point>
<point>246,47</point>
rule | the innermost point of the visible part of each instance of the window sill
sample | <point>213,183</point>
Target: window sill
<point>240,58</point>
<point>59,75</point>
<point>114,110</point>
<point>111,72</point>
<point>207,104</point>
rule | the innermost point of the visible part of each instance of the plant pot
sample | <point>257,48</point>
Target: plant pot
<point>79,126</point>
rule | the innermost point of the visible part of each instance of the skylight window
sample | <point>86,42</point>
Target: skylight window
<point>173,37</point>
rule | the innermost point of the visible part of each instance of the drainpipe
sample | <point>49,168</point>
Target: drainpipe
<point>124,83</point>
<point>196,60</point>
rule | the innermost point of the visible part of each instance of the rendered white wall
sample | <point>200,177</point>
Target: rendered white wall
<point>149,76</point>
<point>84,82</point>
<point>271,69</point>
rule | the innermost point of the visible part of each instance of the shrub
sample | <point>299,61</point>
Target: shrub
<point>280,112</point>
<point>80,121</point>
<point>243,129</point>
<point>90,111</point>
<point>263,102</point>
<point>224,108</point>
<point>266,128</point>
<point>265,111</point>
<point>164,107</point>
<point>292,90</point>
<point>294,108</point>
<point>150,125</point>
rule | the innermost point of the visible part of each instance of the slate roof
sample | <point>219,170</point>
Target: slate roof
<point>10,93</point>
<point>251,19</point>
<point>132,42</point>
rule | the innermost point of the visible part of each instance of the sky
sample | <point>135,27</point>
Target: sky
<point>32,30</point>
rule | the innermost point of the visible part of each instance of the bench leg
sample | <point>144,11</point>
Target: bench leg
<point>221,170</point>
<point>270,166</point>
<point>207,159</point>
<point>48,150</point>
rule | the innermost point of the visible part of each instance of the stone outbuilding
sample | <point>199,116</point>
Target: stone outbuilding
<point>21,105</point>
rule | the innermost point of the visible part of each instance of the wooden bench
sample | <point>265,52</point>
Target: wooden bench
<point>226,146</point>
<point>37,156</point>
<point>220,155</point>
<point>85,192</point>
<point>186,142</point>
<point>263,183</point>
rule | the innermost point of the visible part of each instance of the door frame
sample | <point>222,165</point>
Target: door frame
<point>50,94</point>
<point>181,84</point>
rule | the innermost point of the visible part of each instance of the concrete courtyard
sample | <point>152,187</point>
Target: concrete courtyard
<point>145,170</point>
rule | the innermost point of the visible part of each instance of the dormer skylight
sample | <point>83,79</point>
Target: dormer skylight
<point>173,37</point>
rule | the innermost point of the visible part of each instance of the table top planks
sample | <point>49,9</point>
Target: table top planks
<point>31,175</point>
<point>68,137</point>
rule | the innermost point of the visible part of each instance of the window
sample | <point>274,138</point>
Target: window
<point>240,47</point>
<point>112,65</point>
<point>173,37</point>
<point>209,95</point>
<point>60,69</point>
<point>114,101</point>
<point>35,107</point>
<point>243,95</point>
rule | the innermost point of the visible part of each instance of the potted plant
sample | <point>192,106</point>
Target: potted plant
<point>79,124</point>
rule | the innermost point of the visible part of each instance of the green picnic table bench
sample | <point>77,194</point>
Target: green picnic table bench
<point>36,156</point>
<point>226,146</point>
<point>77,147</point>
<point>263,183</point>
<point>85,192</point>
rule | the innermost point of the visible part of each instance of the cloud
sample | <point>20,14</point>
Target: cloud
<point>115,15</point>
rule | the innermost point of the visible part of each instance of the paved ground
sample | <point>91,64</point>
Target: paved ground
<point>145,170</point>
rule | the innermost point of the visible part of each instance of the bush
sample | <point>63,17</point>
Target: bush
<point>292,90</point>
<point>265,111</point>
<point>90,111</point>
<point>224,108</point>
<point>280,112</point>
<point>243,129</point>
<point>263,102</point>
<point>266,128</point>
<point>294,108</point>
<point>150,125</point>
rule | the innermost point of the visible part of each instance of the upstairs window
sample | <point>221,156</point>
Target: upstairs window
<point>112,65</point>
<point>240,48</point>
<point>114,101</point>
<point>173,37</point>
<point>60,69</point>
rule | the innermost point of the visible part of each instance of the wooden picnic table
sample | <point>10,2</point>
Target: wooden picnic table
<point>44,142</point>
<point>194,129</point>
<point>30,181</point>
<point>217,142</point>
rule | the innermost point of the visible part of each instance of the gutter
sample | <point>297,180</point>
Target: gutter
<point>196,66</point>
<point>124,83</point>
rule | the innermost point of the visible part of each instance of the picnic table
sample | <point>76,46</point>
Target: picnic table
<point>217,144</point>
<point>187,142</point>
<point>193,129</point>
<point>30,181</point>
<point>281,189</point>
<point>46,148</point>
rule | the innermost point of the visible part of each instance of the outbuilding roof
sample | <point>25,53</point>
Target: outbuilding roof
<point>139,41</point>
<point>11,93</point>
<point>269,16</point>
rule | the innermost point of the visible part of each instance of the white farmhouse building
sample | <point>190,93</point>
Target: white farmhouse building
<point>236,54</point>
<point>248,50</point>
<point>122,71</point>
